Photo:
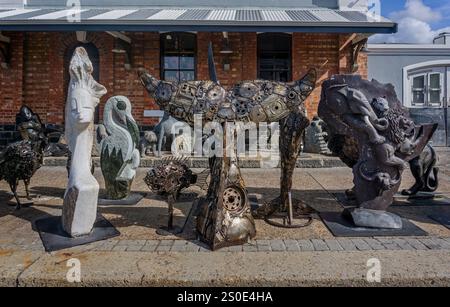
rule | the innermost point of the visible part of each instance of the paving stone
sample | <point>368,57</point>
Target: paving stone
<point>277,245</point>
<point>319,245</point>
<point>389,244</point>
<point>131,242</point>
<point>374,244</point>
<point>305,245</point>
<point>403,244</point>
<point>149,247</point>
<point>361,244</point>
<point>264,248</point>
<point>291,245</point>
<point>192,246</point>
<point>134,248</point>
<point>179,246</point>
<point>107,245</point>
<point>263,242</point>
<point>443,243</point>
<point>235,248</point>
<point>165,246</point>
<point>119,248</point>
<point>249,248</point>
<point>430,243</point>
<point>333,245</point>
<point>416,244</point>
<point>347,244</point>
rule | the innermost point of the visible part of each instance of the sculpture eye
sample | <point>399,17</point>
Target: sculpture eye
<point>121,106</point>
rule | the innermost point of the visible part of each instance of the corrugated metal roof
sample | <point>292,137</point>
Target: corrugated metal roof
<point>305,16</point>
<point>188,19</point>
<point>167,15</point>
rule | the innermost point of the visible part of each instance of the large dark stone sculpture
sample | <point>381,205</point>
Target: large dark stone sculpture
<point>373,134</point>
<point>425,172</point>
<point>225,217</point>
<point>20,160</point>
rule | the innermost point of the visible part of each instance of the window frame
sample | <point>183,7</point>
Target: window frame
<point>288,50</point>
<point>179,54</point>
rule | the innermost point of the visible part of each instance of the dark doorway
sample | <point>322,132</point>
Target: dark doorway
<point>95,59</point>
<point>274,56</point>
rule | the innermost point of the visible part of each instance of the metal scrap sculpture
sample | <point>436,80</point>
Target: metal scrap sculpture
<point>225,217</point>
<point>21,160</point>
<point>119,157</point>
<point>376,139</point>
<point>169,179</point>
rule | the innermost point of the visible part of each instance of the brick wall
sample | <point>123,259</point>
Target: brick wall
<point>38,75</point>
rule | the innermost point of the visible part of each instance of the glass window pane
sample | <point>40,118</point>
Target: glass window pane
<point>171,75</point>
<point>171,62</point>
<point>274,56</point>
<point>187,62</point>
<point>419,82</point>
<point>418,97</point>
<point>435,81</point>
<point>187,75</point>
<point>435,96</point>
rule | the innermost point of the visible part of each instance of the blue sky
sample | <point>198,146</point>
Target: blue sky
<point>419,20</point>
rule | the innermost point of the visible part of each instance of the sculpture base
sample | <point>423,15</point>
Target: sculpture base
<point>341,226</point>
<point>165,231</point>
<point>443,218</point>
<point>54,237</point>
<point>422,199</point>
<point>374,218</point>
<point>131,200</point>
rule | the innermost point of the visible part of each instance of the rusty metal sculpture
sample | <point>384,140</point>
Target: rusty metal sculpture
<point>169,179</point>
<point>376,139</point>
<point>225,217</point>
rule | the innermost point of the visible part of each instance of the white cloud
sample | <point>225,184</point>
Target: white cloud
<point>413,25</point>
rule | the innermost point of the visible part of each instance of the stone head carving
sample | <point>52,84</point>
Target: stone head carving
<point>84,92</point>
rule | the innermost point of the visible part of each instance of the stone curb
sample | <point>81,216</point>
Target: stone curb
<point>315,161</point>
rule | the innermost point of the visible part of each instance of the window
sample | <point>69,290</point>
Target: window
<point>427,88</point>
<point>274,56</point>
<point>427,84</point>
<point>178,52</point>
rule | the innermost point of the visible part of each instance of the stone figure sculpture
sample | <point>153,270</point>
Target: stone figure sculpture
<point>164,132</point>
<point>383,137</point>
<point>80,200</point>
<point>425,172</point>
<point>225,217</point>
<point>119,156</point>
<point>20,160</point>
<point>316,137</point>
<point>148,144</point>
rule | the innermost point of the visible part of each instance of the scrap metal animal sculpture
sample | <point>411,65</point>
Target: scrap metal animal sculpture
<point>382,140</point>
<point>225,217</point>
<point>20,160</point>
<point>79,211</point>
<point>425,172</point>
<point>119,157</point>
<point>169,179</point>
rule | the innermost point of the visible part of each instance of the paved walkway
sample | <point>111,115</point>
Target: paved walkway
<point>277,257</point>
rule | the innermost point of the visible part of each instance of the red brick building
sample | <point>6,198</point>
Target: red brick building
<point>172,42</point>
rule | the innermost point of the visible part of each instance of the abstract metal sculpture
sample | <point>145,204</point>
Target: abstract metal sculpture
<point>80,200</point>
<point>119,157</point>
<point>225,217</point>
<point>425,172</point>
<point>383,140</point>
<point>169,179</point>
<point>21,160</point>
